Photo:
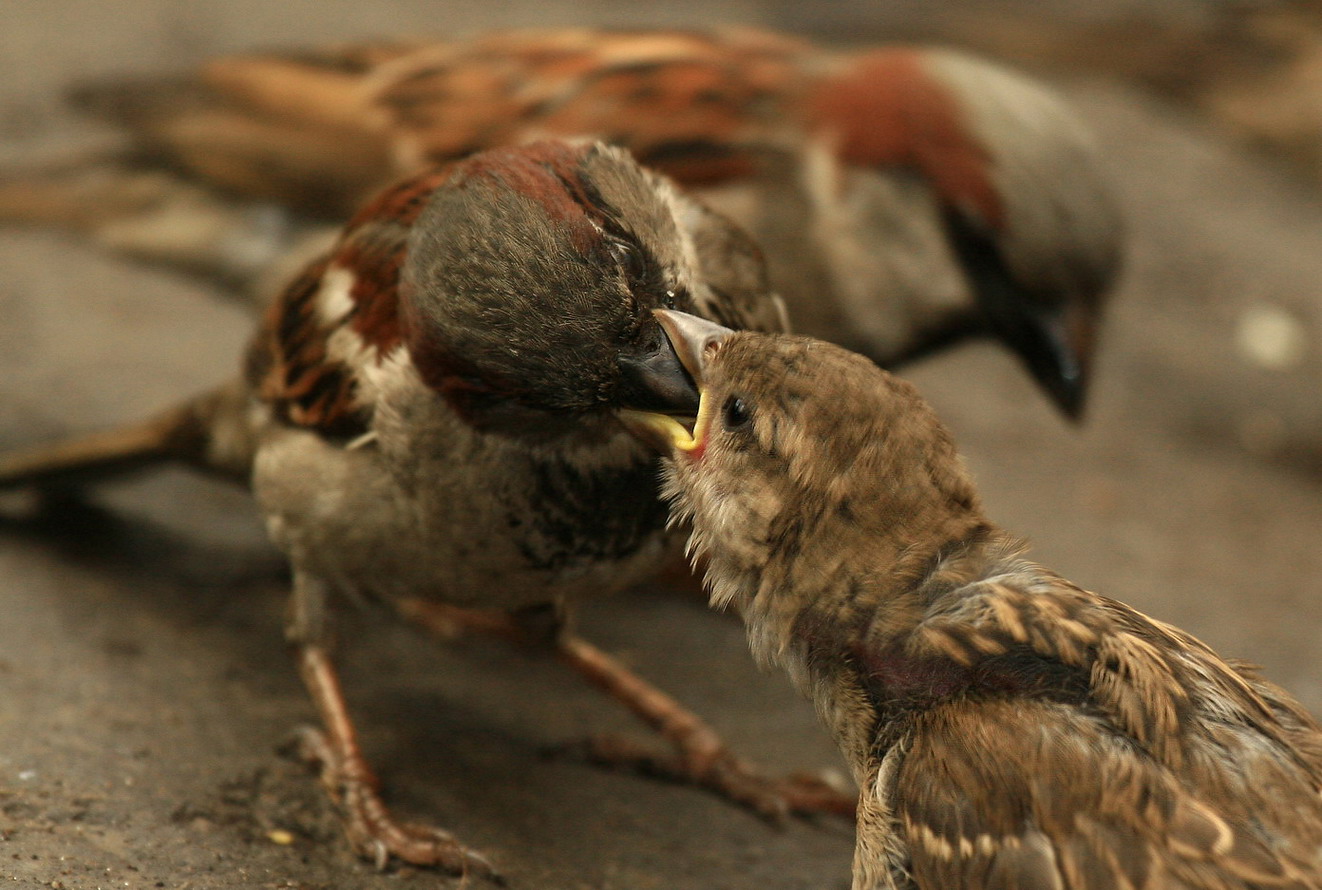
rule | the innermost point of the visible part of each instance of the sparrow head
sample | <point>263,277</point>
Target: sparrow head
<point>1032,217</point>
<point>799,442</point>
<point>531,279</point>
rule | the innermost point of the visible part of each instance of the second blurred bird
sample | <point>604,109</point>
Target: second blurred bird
<point>906,198</point>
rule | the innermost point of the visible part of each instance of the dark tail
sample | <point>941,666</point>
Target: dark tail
<point>211,432</point>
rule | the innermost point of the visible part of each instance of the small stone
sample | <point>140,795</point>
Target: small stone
<point>1271,337</point>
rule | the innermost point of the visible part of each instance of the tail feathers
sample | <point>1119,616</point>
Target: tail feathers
<point>84,194</point>
<point>158,217</point>
<point>212,432</point>
<point>319,83</point>
<point>299,130</point>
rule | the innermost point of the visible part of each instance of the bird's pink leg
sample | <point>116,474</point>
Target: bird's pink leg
<point>701,757</point>
<point>372,829</point>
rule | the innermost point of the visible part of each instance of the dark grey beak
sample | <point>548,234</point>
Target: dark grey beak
<point>671,385</point>
<point>691,338</point>
<point>652,378</point>
<point>1053,337</point>
<point>664,375</point>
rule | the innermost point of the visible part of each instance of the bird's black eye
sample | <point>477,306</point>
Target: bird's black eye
<point>735,413</point>
<point>630,260</point>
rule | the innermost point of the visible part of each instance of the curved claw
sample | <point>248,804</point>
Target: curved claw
<point>372,829</point>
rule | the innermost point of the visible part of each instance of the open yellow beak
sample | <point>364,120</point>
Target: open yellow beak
<point>662,428</point>
<point>690,336</point>
<point>671,432</point>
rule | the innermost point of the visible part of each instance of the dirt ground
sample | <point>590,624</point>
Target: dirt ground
<point>145,693</point>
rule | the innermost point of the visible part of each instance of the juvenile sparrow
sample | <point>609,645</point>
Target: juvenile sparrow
<point>1008,728</point>
<point>428,416</point>
<point>906,198</point>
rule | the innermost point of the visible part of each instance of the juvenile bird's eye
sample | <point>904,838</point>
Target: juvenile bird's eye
<point>735,413</point>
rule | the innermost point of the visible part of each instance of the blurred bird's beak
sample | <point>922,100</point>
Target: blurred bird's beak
<point>1057,347</point>
<point>691,338</point>
<point>1055,343</point>
<point>1054,337</point>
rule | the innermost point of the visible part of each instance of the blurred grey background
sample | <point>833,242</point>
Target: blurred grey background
<point>144,687</point>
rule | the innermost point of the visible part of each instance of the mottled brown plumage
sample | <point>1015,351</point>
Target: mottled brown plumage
<point>1007,728</point>
<point>907,198</point>
<point>428,417</point>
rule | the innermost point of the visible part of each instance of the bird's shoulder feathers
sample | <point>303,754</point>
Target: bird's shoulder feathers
<point>337,327</point>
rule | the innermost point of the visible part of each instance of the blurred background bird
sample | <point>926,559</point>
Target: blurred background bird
<point>905,198</point>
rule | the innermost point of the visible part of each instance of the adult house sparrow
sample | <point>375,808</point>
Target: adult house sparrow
<point>428,418</point>
<point>906,198</point>
<point>1008,728</point>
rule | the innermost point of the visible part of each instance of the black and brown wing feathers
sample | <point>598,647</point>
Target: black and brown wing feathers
<point>997,786</point>
<point>293,365</point>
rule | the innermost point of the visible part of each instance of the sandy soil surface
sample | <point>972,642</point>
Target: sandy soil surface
<point>144,689</point>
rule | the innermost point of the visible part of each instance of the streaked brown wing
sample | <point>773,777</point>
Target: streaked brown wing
<point>695,105</point>
<point>293,364</point>
<point>1035,815</point>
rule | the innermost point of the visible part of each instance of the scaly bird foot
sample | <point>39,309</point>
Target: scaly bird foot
<point>700,757</point>
<point>371,828</point>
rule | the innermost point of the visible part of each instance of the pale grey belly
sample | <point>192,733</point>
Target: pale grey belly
<point>538,534</point>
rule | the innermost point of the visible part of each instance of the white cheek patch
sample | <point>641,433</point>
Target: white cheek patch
<point>334,298</point>
<point>377,373</point>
